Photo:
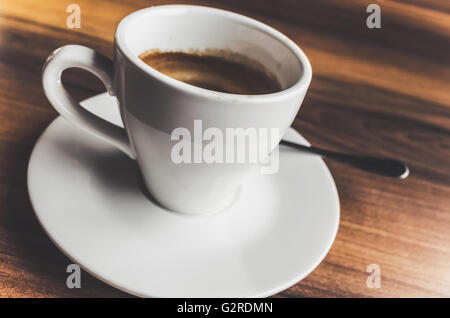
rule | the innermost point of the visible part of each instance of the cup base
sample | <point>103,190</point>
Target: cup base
<point>225,204</point>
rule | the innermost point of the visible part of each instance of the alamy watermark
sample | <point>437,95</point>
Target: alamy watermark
<point>374,19</point>
<point>232,146</point>
<point>374,279</point>
<point>74,279</point>
<point>73,20</point>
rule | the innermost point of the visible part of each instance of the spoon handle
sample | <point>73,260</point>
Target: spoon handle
<point>381,166</point>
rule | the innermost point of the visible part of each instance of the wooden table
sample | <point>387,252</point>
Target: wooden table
<point>374,91</point>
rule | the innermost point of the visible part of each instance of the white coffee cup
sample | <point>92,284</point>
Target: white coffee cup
<point>152,104</point>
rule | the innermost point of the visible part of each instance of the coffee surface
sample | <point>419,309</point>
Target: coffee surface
<point>213,72</point>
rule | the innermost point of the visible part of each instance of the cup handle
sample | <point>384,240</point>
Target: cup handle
<point>85,58</point>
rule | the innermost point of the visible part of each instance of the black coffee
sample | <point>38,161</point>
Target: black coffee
<point>214,72</point>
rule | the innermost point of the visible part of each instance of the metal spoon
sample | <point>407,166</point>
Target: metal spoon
<point>382,166</point>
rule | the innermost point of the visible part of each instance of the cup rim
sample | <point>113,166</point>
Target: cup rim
<point>301,84</point>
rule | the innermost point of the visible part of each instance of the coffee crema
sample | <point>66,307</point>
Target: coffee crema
<point>213,72</point>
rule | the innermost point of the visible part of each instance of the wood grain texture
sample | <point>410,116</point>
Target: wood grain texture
<point>374,91</point>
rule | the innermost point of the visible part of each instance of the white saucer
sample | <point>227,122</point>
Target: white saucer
<point>88,199</point>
